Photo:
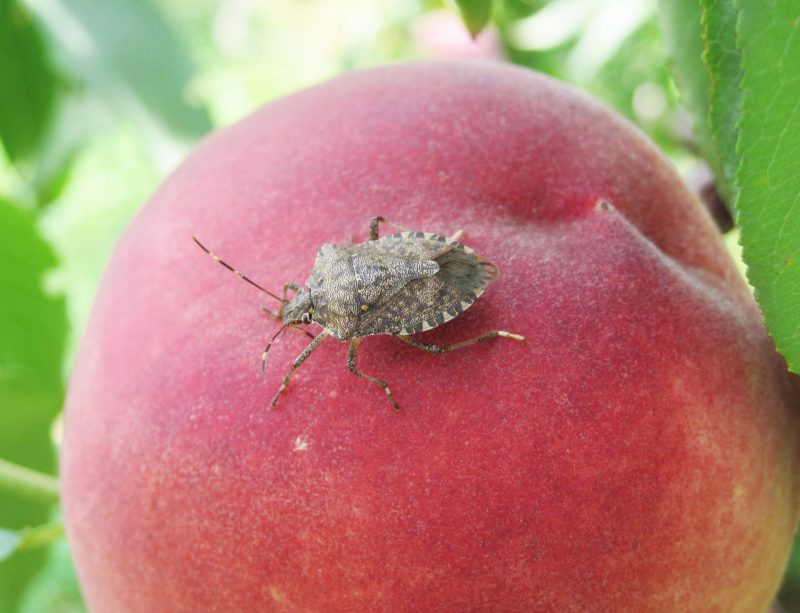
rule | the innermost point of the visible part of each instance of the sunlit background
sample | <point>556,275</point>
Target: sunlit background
<point>100,100</point>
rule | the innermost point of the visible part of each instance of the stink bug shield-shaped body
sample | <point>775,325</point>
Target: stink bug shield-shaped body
<point>400,284</point>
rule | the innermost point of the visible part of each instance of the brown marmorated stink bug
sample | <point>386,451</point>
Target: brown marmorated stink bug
<point>399,284</point>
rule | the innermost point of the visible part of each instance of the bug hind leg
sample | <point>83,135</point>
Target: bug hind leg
<point>375,221</point>
<point>351,366</point>
<point>438,349</point>
<point>373,227</point>
<point>296,364</point>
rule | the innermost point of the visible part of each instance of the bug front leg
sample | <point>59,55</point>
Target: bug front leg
<point>297,328</point>
<point>351,365</point>
<point>296,364</point>
<point>275,337</point>
<point>438,349</point>
<point>290,285</point>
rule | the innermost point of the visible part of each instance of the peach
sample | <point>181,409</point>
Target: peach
<point>638,452</point>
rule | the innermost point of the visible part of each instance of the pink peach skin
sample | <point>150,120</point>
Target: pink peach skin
<point>638,452</point>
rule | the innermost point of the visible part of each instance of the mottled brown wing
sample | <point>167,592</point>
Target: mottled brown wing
<point>423,304</point>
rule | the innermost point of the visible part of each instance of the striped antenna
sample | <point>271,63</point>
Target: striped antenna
<point>236,272</point>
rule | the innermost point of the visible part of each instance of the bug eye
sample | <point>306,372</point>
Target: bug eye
<point>306,318</point>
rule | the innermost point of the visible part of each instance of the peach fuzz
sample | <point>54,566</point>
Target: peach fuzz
<point>638,452</point>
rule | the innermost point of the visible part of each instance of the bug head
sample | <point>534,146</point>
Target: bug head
<point>299,310</point>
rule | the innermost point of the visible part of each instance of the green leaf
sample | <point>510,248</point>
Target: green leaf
<point>476,14</point>
<point>32,335</point>
<point>790,588</point>
<point>125,50</point>
<point>26,83</point>
<point>722,59</point>
<point>637,66</point>
<point>768,179</point>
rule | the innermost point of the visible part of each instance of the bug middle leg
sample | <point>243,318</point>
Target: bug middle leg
<point>296,364</point>
<point>351,365</point>
<point>438,349</point>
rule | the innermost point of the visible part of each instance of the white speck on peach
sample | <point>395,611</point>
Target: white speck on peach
<point>301,443</point>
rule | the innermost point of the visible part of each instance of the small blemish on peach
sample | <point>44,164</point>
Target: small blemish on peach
<point>301,443</point>
<point>276,594</point>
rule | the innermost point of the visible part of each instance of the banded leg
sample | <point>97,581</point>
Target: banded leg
<point>373,227</point>
<point>290,285</point>
<point>351,365</point>
<point>296,288</point>
<point>296,364</point>
<point>275,337</point>
<point>437,349</point>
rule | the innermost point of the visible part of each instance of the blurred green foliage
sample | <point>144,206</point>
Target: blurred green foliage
<point>99,101</point>
<point>33,327</point>
<point>721,58</point>
<point>26,97</point>
<point>475,14</point>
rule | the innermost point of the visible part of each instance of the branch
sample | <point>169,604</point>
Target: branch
<point>28,483</point>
